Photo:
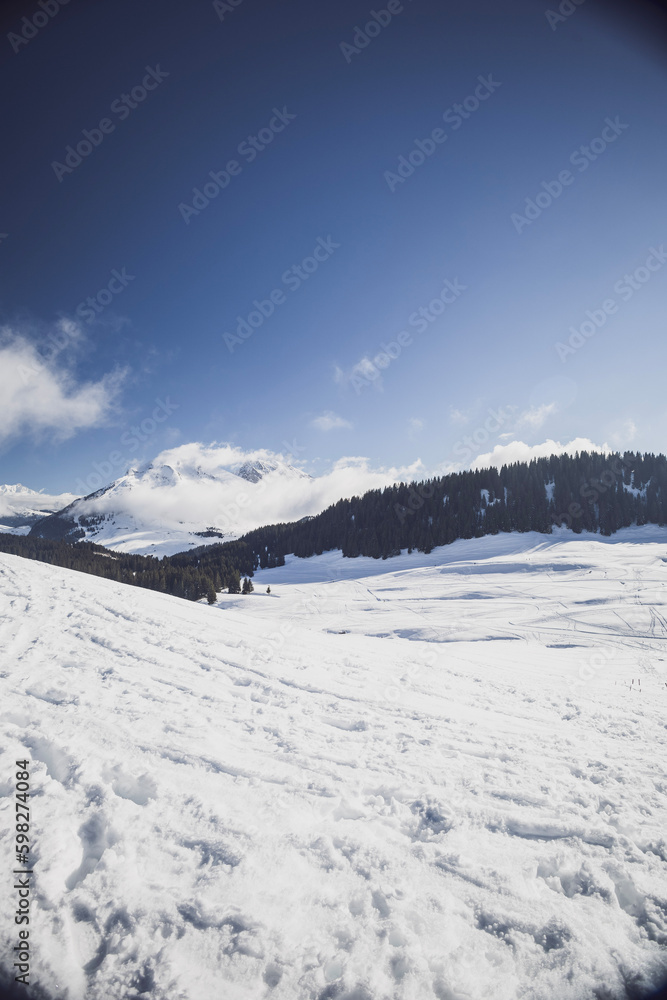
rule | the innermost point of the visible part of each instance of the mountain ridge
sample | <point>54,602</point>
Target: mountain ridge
<point>173,502</point>
<point>21,507</point>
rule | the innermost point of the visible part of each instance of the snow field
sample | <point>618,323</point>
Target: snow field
<point>430,776</point>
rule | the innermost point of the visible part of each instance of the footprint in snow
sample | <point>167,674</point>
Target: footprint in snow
<point>139,790</point>
<point>95,837</point>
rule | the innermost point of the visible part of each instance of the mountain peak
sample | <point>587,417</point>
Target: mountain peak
<point>18,489</point>
<point>254,471</point>
<point>186,494</point>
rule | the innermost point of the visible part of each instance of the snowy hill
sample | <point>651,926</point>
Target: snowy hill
<point>21,507</point>
<point>184,498</point>
<point>438,777</point>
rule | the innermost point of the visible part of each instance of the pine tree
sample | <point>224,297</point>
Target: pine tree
<point>247,586</point>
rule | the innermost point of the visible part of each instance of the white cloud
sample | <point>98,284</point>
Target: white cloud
<point>39,397</point>
<point>623,436</point>
<point>529,420</point>
<point>360,375</point>
<point>458,416</point>
<point>518,451</point>
<point>533,418</point>
<point>353,475</point>
<point>415,424</point>
<point>330,421</point>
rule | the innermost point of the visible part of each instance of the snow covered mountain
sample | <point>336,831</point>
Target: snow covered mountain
<point>21,507</point>
<point>190,495</point>
<point>440,778</point>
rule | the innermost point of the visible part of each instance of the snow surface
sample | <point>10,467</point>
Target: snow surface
<point>434,776</point>
<point>8,529</point>
<point>489,503</point>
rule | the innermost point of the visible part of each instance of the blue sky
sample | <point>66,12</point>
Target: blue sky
<point>333,125</point>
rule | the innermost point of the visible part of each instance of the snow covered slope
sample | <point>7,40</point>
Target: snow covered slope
<point>430,778</point>
<point>185,498</point>
<point>21,507</point>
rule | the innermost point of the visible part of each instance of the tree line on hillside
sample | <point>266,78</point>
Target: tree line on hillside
<point>179,579</point>
<point>585,492</point>
<point>175,575</point>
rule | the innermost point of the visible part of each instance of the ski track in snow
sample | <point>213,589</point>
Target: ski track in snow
<point>407,779</point>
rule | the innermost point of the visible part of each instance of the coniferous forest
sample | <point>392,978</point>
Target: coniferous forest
<point>587,492</point>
